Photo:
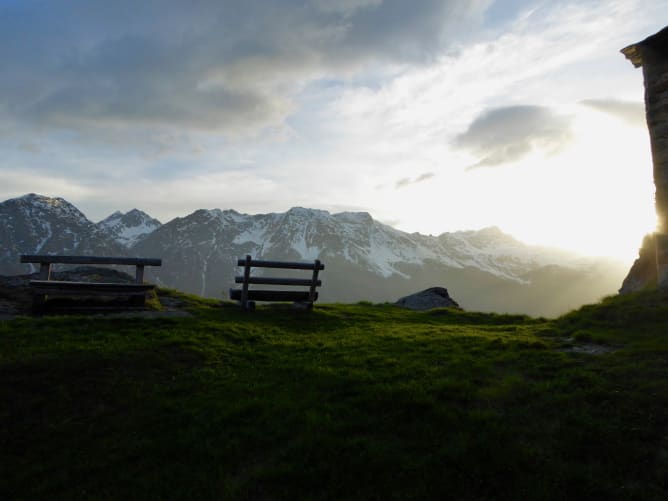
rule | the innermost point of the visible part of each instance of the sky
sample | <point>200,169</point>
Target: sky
<point>433,116</point>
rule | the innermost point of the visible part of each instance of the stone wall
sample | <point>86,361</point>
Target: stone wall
<point>655,72</point>
<point>652,55</point>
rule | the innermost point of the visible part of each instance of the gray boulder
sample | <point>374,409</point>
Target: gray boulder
<point>434,297</point>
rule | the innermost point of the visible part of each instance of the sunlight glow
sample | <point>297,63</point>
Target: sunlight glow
<point>594,197</point>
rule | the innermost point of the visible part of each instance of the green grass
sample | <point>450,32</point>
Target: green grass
<point>345,402</point>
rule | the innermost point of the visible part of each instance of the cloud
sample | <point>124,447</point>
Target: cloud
<point>220,66</point>
<point>505,135</point>
<point>345,7</point>
<point>631,112</point>
<point>424,177</point>
<point>408,181</point>
<point>30,147</point>
<point>18,182</point>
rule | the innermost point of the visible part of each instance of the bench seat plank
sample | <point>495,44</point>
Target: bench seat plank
<point>89,288</point>
<point>270,295</point>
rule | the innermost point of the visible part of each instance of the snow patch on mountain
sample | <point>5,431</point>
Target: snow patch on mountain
<point>254,233</point>
<point>47,234</point>
<point>129,228</point>
<point>305,250</point>
<point>385,251</point>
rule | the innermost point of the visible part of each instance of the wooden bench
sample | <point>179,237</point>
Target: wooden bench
<point>45,286</point>
<point>247,297</point>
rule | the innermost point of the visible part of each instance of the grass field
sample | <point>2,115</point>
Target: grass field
<point>345,402</point>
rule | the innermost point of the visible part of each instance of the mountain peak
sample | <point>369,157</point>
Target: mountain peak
<point>492,230</point>
<point>127,229</point>
<point>41,199</point>
<point>111,217</point>
<point>304,212</point>
<point>40,224</point>
<point>28,196</point>
<point>37,206</point>
<point>355,217</point>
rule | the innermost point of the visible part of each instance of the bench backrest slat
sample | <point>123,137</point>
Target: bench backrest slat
<point>136,261</point>
<point>287,265</point>
<point>277,281</point>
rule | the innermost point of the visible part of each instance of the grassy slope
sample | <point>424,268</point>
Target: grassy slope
<point>349,401</point>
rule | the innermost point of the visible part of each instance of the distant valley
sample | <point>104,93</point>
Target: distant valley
<point>484,270</point>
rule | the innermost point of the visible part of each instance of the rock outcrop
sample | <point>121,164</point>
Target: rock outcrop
<point>434,297</point>
<point>643,271</point>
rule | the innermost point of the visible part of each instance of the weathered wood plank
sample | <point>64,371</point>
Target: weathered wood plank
<point>139,274</point>
<point>287,265</point>
<point>136,261</point>
<point>270,295</point>
<point>88,293</point>
<point>45,271</point>
<point>111,285</point>
<point>277,281</point>
<point>44,293</point>
<point>244,289</point>
<point>314,281</point>
<point>88,288</point>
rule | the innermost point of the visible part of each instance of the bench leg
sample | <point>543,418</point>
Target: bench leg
<point>250,306</point>
<point>138,300</point>
<point>38,302</point>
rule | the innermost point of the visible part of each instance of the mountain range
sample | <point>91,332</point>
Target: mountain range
<point>484,270</point>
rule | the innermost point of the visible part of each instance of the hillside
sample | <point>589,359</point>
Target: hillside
<point>355,401</point>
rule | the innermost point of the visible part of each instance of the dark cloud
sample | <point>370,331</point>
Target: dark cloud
<point>631,112</point>
<point>218,65</point>
<point>505,135</point>
<point>407,180</point>
<point>424,177</point>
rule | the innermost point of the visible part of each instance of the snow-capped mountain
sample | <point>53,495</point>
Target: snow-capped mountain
<point>35,224</point>
<point>308,234</point>
<point>364,259</point>
<point>38,223</point>
<point>129,228</point>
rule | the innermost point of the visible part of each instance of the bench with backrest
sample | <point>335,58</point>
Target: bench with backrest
<point>247,296</point>
<point>44,286</point>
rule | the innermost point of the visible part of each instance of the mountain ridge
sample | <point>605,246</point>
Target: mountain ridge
<point>365,258</point>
